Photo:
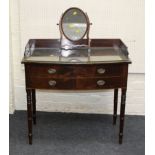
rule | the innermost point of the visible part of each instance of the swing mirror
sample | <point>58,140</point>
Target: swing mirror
<point>74,24</point>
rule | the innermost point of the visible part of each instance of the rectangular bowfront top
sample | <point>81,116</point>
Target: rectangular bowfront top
<point>62,52</point>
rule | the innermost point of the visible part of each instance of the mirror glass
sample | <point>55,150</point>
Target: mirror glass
<point>74,24</point>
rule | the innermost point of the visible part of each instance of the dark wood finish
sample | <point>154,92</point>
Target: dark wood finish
<point>64,71</point>
<point>29,114</point>
<point>115,105</point>
<point>74,83</point>
<point>34,105</point>
<point>122,107</point>
<point>43,83</point>
<point>122,114</point>
<point>91,83</point>
<point>72,76</point>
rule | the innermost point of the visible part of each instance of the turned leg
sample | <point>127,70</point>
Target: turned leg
<point>122,114</point>
<point>29,114</point>
<point>115,105</point>
<point>34,105</point>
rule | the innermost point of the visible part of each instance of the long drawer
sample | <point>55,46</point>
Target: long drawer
<point>62,71</point>
<point>74,83</point>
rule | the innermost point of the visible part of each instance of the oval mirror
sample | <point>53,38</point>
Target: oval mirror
<point>74,24</point>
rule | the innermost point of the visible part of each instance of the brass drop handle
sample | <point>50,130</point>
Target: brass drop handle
<point>51,71</point>
<point>101,70</point>
<point>100,82</point>
<point>52,82</point>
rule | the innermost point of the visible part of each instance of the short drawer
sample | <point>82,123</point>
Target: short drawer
<point>109,70</point>
<point>50,83</point>
<point>99,83</point>
<point>62,71</point>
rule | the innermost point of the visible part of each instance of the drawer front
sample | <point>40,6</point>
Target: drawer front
<point>74,84</point>
<point>99,83</point>
<point>109,70</point>
<point>50,83</point>
<point>61,71</point>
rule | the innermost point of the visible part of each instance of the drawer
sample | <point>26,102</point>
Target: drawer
<point>109,70</point>
<point>74,84</point>
<point>99,83</point>
<point>61,71</point>
<point>50,83</point>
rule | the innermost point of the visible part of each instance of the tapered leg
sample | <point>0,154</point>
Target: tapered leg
<point>29,114</point>
<point>34,105</point>
<point>115,105</point>
<point>122,114</point>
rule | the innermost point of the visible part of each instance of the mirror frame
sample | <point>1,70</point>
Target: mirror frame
<point>87,24</point>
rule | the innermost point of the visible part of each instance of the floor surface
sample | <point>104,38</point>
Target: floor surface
<point>76,134</point>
